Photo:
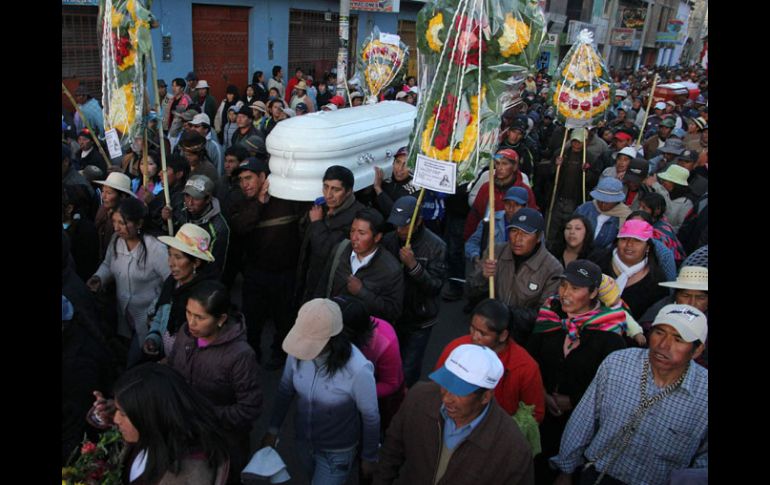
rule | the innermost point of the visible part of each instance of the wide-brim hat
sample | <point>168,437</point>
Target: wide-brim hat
<point>690,278</point>
<point>301,85</point>
<point>676,174</point>
<point>118,181</point>
<point>259,106</point>
<point>202,84</point>
<point>609,189</point>
<point>192,240</point>
<point>672,146</point>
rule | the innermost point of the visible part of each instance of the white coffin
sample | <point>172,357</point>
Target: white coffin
<point>360,138</point>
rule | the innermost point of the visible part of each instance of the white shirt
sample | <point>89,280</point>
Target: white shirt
<point>85,153</point>
<point>600,220</point>
<point>138,465</point>
<point>355,264</point>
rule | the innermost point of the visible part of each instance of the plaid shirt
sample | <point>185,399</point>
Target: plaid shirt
<point>672,435</point>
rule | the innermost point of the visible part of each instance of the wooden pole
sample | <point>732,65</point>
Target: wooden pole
<point>145,179</point>
<point>492,222</point>
<point>647,113</point>
<point>556,182</point>
<point>583,167</point>
<point>107,159</point>
<point>161,140</point>
<point>414,217</point>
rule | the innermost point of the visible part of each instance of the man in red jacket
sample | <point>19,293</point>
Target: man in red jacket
<point>507,175</point>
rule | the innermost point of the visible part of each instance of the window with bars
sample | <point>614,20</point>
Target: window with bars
<point>80,49</point>
<point>314,42</point>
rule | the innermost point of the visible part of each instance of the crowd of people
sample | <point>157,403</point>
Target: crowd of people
<point>588,366</point>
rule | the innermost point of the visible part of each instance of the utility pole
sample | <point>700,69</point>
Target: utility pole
<point>342,53</point>
<point>647,22</point>
<point>610,26</point>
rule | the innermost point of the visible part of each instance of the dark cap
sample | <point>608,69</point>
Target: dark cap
<point>245,110</point>
<point>583,273</point>
<point>301,106</point>
<point>517,194</point>
<point>402,151</point>
<point>528,220</point>
<point>199,186</point>
<point>402,211</point>
<point>85,132</point>
<point>161,83</point>
<point>687,156</point>
<point>190,76</point>
<point>637,170</point>
<point>254,143</point>
<point>252,164</point>
<point>668,123</point>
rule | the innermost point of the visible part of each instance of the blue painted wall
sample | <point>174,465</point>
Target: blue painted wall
<point>268,20</point>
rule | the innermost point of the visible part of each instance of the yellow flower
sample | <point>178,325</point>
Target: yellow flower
<point>122,109</point>
<point>465,147</point>
<point>376,76</point>
<point>515,38</point>
<point>116,18</point>
<point>431,34</point>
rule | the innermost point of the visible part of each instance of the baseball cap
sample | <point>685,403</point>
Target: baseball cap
<point>687,320</point>
<point>401,95</point>
<point>637,170</point>
<point>317,321</point>
<point>578,134</point>
<point>668,123</point>
<point>636,229</point>
<point>583,273</point>
<point>508,153</point>
<point>623,135</point>
<point>469,367</point>
<point>660,105</point>
<point>517,194</point>
<point>198,186</point>
<point>621,92</point>
<point>253,164</point>
<point>528,220</point>
<point>301,107</point>
<point>630,152</point>
<point>186,115</point>
<point>329,107</point>
<point>200,119</point>
<point>402,211</point>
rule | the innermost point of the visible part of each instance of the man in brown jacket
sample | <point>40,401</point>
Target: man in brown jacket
<point>525,273</point>
<point>452,431</point>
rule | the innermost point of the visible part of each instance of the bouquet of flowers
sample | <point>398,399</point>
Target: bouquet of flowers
<point>97,463</point>
<point>379,64</point>
<point>472,56</point>
<point>584,89</point>
<point>125,43</point>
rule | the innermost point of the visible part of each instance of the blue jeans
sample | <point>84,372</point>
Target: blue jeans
<point>325,467</point>
<point>412,352</point>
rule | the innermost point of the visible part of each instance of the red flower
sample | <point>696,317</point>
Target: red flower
<point>469,40</point>
<point>87,448</point>
<point>585,106</point>
<point>564,97</point>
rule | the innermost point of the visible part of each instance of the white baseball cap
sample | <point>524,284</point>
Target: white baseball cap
<point>687,320</point>
<point>660,105</point>
<point>629,152</point>
<point>201,118</point>
<point>468,368</point>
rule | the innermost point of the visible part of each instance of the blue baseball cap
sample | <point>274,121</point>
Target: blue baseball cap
<point>528,220</point>
<point>518,195</point>
<point>401,213</point>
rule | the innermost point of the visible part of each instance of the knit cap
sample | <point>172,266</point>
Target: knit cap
<point>609,293</point>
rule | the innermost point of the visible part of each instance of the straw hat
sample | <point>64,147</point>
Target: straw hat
<point>301,85</point>
<point>192,240</point>
<point>117,181</point>
<point>690,278</point>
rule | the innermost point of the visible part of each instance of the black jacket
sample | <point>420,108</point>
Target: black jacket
<point>93,158</point>
<point>319,239</point>
<point>215,224</point>
<point>382,278</point>
<point>423,284</point>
